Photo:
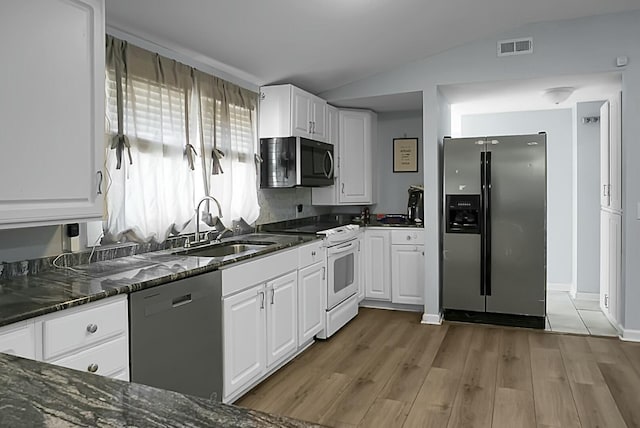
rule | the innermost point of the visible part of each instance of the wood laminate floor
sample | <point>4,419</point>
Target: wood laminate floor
<point>385,369</point>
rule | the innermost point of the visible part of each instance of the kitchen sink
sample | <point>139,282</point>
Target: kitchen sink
<point>225,249</point>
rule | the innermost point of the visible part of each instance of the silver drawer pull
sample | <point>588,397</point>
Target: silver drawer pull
<point>313,253</point>
<point>92,328</point>
<point>92,368</point>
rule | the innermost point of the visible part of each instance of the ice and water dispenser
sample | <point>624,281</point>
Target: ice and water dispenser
<point>463,214</point>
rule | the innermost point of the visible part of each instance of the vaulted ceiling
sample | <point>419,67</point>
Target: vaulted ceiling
<point>324,44</point>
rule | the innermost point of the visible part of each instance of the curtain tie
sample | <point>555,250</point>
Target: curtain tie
<point>190,153</point>
<point>216,157</point>
<point>118,143</point>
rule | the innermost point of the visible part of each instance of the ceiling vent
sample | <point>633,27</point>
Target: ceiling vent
<point>515,47</point>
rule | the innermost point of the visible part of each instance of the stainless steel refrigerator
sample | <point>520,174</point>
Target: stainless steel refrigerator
<point>494,232</point>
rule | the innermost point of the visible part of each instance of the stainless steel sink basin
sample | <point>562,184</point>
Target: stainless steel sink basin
<point>225,249</point>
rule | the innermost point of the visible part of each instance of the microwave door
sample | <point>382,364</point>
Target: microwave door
<point>279,162</point>
<point>316,163</point>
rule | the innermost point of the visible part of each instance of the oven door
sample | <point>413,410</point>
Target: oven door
<point>343,268</point>
<point>316,163</point>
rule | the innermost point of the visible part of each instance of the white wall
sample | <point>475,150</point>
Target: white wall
<point>557,124</point>
<point>588,209</point>
<point>393,187</point>
<point>580,46</point>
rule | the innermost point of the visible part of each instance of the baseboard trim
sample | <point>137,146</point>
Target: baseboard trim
<point>433,319</point>
<point>391,306</point>
<point>559,286</point>
<point>629,335</point>
<point>587,296</point>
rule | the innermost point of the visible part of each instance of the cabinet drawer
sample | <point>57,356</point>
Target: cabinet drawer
<point>407,236</point>
<point>106,359</point>
<point>84,326</point>
<point>19,339</point>
<point>310,254</point>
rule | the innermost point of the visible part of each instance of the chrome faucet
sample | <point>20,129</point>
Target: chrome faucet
<point>196,239</point>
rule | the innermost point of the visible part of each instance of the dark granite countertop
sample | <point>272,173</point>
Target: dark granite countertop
<point>28,296</point>
<point>35,394</point>
<point>329,221</point>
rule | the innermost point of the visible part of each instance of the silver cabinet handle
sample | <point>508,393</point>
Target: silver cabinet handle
<point>423,253</point>
<point>408,237</point>
<point>310,127</point>
<point>99,175</point>
<point>261,299</point>
<point>273,295</point>
<point>93,367</point>
<point>313,253</point>
<point>92,328</point>
<point>604,190</point>
<point>324,273</point>
<point>342,188</point>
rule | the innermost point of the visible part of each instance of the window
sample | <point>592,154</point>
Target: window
<point>165,124</point>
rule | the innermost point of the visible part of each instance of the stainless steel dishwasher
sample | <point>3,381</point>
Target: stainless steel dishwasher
<point>176,336</point>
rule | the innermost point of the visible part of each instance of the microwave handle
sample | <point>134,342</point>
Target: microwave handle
<point>330,173</point>
<point>286,158</point>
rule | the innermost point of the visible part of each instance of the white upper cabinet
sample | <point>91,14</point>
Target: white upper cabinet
<point>610,154</point>
<point>357,132</point>
<point>52,112</point>
<point>352,132</point>
<point>288,111</point>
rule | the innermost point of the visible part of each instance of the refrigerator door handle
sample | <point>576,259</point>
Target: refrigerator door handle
<point>483,260</point>
<point>487,220</point>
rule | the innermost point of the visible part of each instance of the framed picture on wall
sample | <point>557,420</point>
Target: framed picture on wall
<point>405,155</point>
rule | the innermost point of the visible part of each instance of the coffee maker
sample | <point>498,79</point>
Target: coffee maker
<point>415,206</point>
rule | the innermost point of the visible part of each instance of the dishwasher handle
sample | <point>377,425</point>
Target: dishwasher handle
<point>182,300</point>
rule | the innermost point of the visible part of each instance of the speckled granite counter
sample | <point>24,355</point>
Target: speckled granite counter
<point>34,394</point>
<point>29,296</point>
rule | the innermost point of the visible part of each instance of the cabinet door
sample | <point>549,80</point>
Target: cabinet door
<point>377,251</point>
<point>282,317</point>
<point>604,260</point>
<point>604,154</point>
<point>407,274</point>
<point>319,108</point>
<point>300,113</point>
<point>355,178</point>
<point>312,288</point>
<point>19,340</point>
<point>52,111</point>
<point>244,338</point>
<point>615,154</point>
<point>615,264</point>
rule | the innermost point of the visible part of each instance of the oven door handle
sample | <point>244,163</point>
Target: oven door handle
<point>342,249</point>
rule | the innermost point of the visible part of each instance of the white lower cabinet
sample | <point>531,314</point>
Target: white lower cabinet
<point>394,265</point>
<point>19,339</point>
<point>377,264</point>
<point>260,330</point>
<point>407,274</point>
<point>244,338</point>
<point>282,318</point>
<point>311,295</point>
<point>93,337</point>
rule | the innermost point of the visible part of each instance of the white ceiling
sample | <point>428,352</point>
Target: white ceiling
<point>323,44</point>
<point>527,95</point>
<point>408,101</point>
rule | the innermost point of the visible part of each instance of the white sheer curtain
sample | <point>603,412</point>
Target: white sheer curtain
<point>163,126</point>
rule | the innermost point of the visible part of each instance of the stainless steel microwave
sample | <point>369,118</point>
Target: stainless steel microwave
<point>295,161</point>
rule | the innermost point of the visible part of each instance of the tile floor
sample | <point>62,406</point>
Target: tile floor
<point>567,315</point>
